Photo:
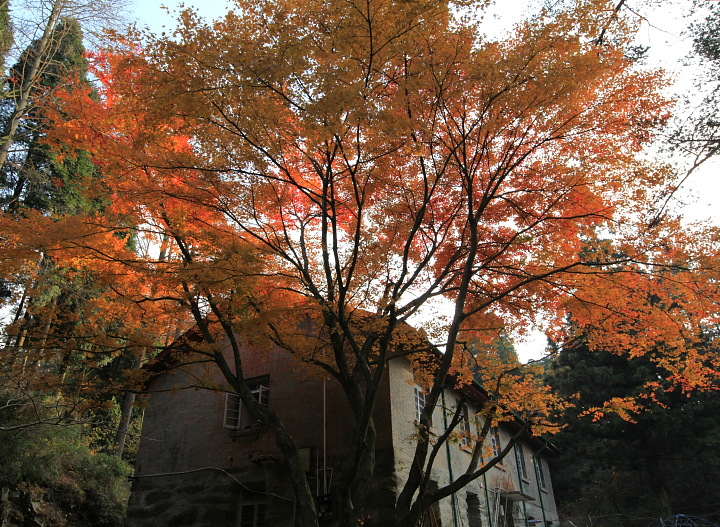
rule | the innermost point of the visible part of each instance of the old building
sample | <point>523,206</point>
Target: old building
<point>204,461</point>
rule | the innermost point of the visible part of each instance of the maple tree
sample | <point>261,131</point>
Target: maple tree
<point>52,360</point>
<point>370,163</point>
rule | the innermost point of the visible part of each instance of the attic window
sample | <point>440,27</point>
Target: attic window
<point>237,417</point>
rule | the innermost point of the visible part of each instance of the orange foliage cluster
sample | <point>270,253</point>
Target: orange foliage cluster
<point>383,172</point>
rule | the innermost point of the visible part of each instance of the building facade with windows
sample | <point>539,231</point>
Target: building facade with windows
<point>204,461</point>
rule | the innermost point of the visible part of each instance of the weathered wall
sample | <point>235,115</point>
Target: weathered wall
<point>184,441</point>
<point>185,449</point>
<point>464,508</point>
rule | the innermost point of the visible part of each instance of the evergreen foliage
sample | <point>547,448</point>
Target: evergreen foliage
<point>663,461</point>
<point>35,176</point>
<point>6,33</point>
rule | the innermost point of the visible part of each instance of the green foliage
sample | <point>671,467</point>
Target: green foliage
<point>661,463</point>
<point>707,37</point>
<point>101,436</point>
<point>58,184</point>
<point>76,486</point>
<point>67,59</point>
<point>37,177</point>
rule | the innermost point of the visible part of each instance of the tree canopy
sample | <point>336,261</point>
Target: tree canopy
<point>371,165</point>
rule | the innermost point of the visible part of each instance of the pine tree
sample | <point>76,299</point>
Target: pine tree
<point>6,33</point>
<point>34,176</point>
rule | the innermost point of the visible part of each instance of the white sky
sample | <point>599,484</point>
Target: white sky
<point>662,29</point>
<point>153,14</point>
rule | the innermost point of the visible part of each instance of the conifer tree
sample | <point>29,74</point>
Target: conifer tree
<point>6,34</point>
<point>640,465</point>
<point>49,299</point>
<point>34,176</point>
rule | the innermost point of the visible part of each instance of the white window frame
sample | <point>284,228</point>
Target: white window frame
<point>233,416</point>
<point>495,441</point>
<point>520,461</point>
<point>419,402</point>
<point>233,409</point>
<point>540,471</point>
<point>466,429</point>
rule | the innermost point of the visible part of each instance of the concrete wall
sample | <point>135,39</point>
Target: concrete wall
<point>474,505</point>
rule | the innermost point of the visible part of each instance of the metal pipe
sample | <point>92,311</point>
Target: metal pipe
<point>518,462</point>
<point>487,497</point>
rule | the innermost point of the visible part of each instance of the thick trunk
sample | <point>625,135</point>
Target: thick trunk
<point>126,408</point>
<point>303,494</point>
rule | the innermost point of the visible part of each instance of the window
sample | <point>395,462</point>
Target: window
<point>520,460</point>
<point>251,512</point>
<point>419,402</point>
<point>252,515</point>
<point>474,515</point>
<point>495,441</point>
<point>237,417</point>
<point>540,471</point>
<point>466,438</point>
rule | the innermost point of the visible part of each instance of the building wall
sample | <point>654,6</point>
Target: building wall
<point>188,463</point>
<point>191,471</point>
<point>476,504</point>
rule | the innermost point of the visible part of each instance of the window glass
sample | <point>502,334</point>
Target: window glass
<point>466,438</point>
<point>419,402</point>
<point>495,441</point>
<point>520,459</point>
<point>236,415</point>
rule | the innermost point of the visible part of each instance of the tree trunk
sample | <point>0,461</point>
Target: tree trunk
<point>126,408</point>
<point>30,76</point>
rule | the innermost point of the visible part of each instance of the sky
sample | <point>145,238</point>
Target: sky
<point>153,13</point>
<point>661,29</point>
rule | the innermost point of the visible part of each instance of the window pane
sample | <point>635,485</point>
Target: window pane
<point>520,458</point>
<point>419,402</point>
<point>495,442</point>
<point>232,410</point>
<point>247,516</point>
<point>465,440</point>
